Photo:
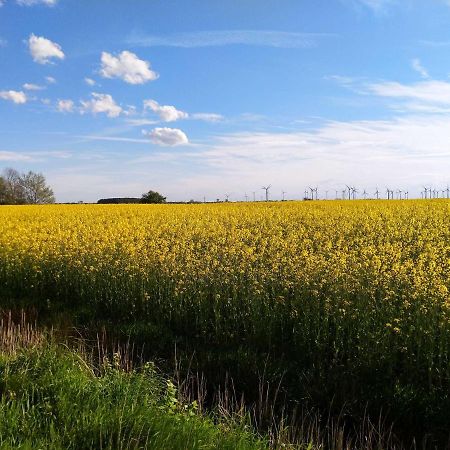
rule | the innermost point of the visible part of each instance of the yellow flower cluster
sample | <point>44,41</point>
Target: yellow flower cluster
<point>360,273</point>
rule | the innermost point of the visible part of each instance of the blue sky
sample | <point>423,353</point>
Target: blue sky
<point>206,98</point>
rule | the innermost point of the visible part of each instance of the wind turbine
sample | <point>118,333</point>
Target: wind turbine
<point>266,188</point>
<point>377,193</point>
<point>365,194</point>
<point>349,192</point>
<point>283,193</point>
<point>246,197</point>
<point>354,192</point>
<point>227,197</point>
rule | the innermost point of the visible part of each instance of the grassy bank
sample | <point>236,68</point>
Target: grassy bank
<point>55,398</point>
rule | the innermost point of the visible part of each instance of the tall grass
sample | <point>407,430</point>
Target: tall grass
<point>54,398</point>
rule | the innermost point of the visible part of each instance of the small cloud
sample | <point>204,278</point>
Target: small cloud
<point>33,87</point>
<point>50,80</point>
<point>168,137</point>
<point>261,38</point>
<point>90,81</point>
<point>377,6</point>
<point>37,2</point>
<point>430,92</point>
<point>166,113</point>
<point>207,117</point>
<point>44,50</point>
<point>417,66</point>
<point>17,97</point>
<point>130,110</point>
<point>65,106</point>
<point>128,67</point>
<point>141,122</point>
<point>11,156</point>
<point>46,101</point>
<point>101,103</point>
<point>3,42</point>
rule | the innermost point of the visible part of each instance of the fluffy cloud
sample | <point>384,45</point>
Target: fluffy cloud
<point>37,2</point>
<point>101,103</point>
<point>65,105</point>
<point>33,87</point>
<point>17,97</point>
<point>128,67</point>
<point>166,113</point>
<point>169,137</point>
<point>50,80</point>
<point>89,81</point>
<point>44,50</point>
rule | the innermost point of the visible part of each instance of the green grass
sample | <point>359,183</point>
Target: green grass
<point>55,398</point>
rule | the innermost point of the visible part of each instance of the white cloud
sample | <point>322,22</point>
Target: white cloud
<point>33,87</point>
<point>128,67</point>
<point>375,5</point>
<point>418,67</point>
<point>50,80</point>
<point>428,92</point>
<point>89,81</point>
<point>12,156</point>
<point>65,105</point>
<point>169,137</point>
<point>17,97</point>
<point>44,50</point>
<point>166,113</point>
<point>37,2</point>
<point>266,38</point>
<point>141,122</point>
<point>207,117</point>
<point>101,103</point>
<point>402,152</point>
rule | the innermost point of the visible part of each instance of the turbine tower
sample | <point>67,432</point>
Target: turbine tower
<point>266,188</point>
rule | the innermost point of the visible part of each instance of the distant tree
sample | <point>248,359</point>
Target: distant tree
<point>35,189</point>
<point>29,188</point>
<point>118,200</point>
<point>153,197</point>
<point>14,193</point>
<point>2,191</point>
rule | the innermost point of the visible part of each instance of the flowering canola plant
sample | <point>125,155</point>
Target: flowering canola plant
<point>364,281</point>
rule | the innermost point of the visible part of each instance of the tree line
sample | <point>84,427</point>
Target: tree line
<point>28,188</point>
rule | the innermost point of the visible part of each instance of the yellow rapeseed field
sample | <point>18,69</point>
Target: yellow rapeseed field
<point>365,282</point>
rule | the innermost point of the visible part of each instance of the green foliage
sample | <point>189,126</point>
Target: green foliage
<point>153,197</point>
<point>52,398</point>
